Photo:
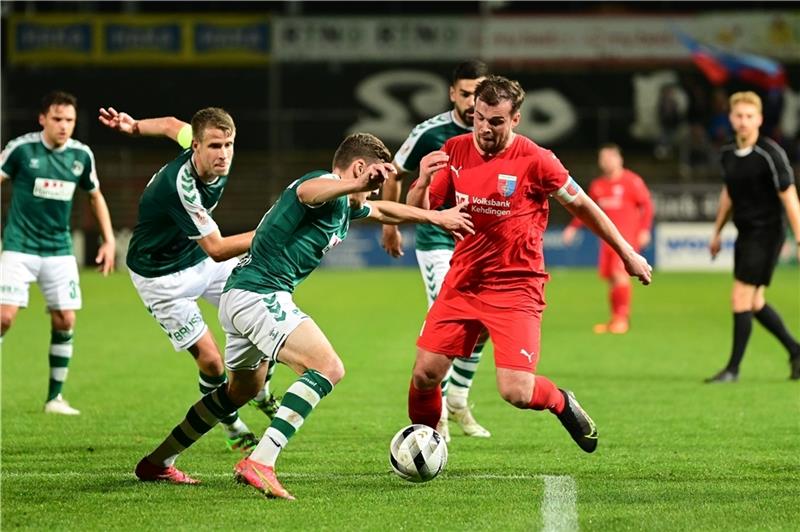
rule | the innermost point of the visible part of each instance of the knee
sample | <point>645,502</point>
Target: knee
<point>516,395</point>
<point>334,370</point>
<point>425,376</point>
<point>62,321</point>
<point>210,363</point>
<point>6,320</point>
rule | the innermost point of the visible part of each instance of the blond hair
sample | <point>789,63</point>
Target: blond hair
<point>749,97</point>
<point>211,118</point>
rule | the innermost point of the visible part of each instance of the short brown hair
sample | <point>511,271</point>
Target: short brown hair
<point>57,98</point>
<point>363,145</point>
<point>493,89</point>
<point>610,146</point>
<point>212,118</point>
<point>745,97</point>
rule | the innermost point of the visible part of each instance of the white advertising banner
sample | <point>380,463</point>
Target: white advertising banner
<point>684,247</point>
<point>546,38</point>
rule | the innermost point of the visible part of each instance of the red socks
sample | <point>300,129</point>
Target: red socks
<point>621,301</point>
<point>546,396</point>
<point>425,406</point>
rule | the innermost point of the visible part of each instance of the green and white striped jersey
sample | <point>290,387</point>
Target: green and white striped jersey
<point>43,183</point>
<point>291,240</point>
<point>174,212</point>
<point>426,137</point>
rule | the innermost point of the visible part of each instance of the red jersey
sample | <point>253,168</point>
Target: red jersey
<point>507,196</point>
<point>626,201</point>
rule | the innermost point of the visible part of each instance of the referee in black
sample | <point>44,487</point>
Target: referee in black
<point>758,186</point>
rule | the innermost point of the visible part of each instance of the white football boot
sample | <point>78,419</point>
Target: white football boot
<point>459,411</point>
<point>60,406</point>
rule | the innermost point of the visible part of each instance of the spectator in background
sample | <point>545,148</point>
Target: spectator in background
<point>670,118</point>
<point>624,197</point>
<point>719,125</point>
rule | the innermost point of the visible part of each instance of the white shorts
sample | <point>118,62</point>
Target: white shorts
<point>57,277</point>
<point>256,326</point>
<point>172,299</point>
<point>433,265</point>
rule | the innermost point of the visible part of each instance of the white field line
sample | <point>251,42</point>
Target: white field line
<point>200,476</point>
<point>559,510</point>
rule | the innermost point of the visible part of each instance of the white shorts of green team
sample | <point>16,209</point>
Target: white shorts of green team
<point>256,326</point>
<point>57,277</point>
<point>172,299</point>
<point>433,265</point>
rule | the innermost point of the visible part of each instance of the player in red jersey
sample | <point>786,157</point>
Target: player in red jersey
<point>624,197</point>
<point>497,276</point>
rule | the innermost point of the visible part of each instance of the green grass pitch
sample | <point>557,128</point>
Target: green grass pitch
<point>674,454</point>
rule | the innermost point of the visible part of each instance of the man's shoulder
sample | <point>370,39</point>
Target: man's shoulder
<point>772,148</point>
<point>27,140</point>
<point>76,145</point>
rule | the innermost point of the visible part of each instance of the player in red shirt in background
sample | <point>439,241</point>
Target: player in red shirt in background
<point>624,197</point>
<point>496,279</point>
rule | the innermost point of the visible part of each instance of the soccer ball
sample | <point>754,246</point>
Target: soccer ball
<point>417,453</point>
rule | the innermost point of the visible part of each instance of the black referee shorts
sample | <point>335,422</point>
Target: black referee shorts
<point>755,256</point>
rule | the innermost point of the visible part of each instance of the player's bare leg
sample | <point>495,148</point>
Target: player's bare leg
<point>309,353</point>
<point>743,298</point>
<point>525,390</point>
<point>238,437</point>
<point>619,296</point>
<point>425,391</point>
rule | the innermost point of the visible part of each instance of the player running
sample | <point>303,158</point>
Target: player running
<point>177,254</point>
<point>262,323</point>
<point>497,277</point>
<point>45,168</point>
<point>623,196</point>
<point>434,247</point>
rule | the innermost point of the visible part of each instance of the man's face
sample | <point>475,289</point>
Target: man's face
<point>609,160</point>
<point>58,124</point>
<point>462,94</point>
<point>745,119</point>
<point>215,152</point>
<point>493,125</point>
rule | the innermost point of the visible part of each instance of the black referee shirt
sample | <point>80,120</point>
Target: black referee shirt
<point>753,177</point>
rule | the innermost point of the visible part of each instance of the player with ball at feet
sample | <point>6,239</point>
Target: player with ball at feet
<point>496,278</point>
<point>263,325</point>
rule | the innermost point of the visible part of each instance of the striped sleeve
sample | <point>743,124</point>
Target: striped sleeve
<point>88,181</point>
<point>778,163</point>
<point>188,212</point>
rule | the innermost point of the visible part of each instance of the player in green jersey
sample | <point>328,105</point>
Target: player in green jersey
<point>45,168</point>
<point>262,323</point>
<point>177,254</point>
<point>434,247</point>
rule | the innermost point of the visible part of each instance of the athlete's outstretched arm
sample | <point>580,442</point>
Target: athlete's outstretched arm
<point>221,248</point>
<point>579,204</point>
<point>454,220</point>
<point>165,126</point>
<point>321,189</point>
<point>792,205</point>
<point>724,212</point>
<point>106,253</point>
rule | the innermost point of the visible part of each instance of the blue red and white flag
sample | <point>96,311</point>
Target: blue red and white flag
<point>721,66</point>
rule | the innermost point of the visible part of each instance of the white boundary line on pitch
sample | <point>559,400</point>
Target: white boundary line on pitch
<point>559,508</point>
<point>201,476</point>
